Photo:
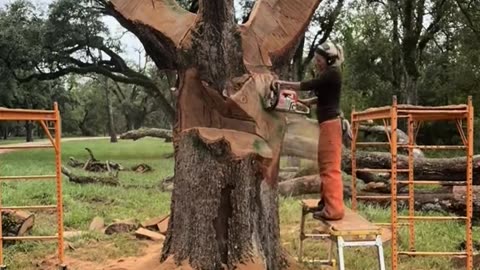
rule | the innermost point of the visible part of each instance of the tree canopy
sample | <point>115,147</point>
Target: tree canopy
<point>425,52</point>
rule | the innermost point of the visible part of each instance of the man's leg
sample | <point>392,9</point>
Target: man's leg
<point>329,166</point>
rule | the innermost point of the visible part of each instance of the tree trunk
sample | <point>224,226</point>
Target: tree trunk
<point>111,124</point>
<point>5,132</point>
<point>235,213</point>
<point>411,89</point>
<point>227,147</point>
<point>29,131</point>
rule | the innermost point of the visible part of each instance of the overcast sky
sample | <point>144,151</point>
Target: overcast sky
<point>129,41</point>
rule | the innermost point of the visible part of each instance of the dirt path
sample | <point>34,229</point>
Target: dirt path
<point>45,142</point>
<point>149,260</point>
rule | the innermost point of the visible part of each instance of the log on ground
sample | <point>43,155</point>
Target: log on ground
<point>433,169</point>
<point>147,132</point>
<point>106,179</point>
<point>16,223</point>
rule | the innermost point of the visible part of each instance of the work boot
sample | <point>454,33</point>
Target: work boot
<point>329,166</point>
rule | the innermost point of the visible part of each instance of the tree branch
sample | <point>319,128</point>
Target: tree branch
<point>159,25</point>
<point>271,34</point>
<point>434,26</point>
<point>470,23</point>
<point>216,44</point>
<point>85,68</point>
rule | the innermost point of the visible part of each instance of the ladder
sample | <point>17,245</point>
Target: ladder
<point>415,116</point>
<point>46,118</point>
<point>351,231</point>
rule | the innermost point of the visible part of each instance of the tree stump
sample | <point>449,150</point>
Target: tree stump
<point>16,223</point>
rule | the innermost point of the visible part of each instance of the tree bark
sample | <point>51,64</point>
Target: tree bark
<point>433,169</point>
<point>147,132</point>
<point>111,125</point>
<point>227,147</point>
<point>90,178</point>
<point>29,131</point>
<point>223,191</point>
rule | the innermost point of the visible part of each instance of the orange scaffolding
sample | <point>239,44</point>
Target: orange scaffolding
<point>47,119</point>
<point>415,116</point>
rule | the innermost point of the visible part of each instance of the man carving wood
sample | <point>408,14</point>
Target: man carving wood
<point>327,88</point>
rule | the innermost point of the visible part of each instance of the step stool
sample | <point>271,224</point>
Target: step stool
<point>351,231</point>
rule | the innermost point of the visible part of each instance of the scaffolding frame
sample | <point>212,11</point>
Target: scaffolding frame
<point>415,116</point>
<point>47,119</point>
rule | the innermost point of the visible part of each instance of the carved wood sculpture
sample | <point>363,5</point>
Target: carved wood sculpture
<point>224,209</point>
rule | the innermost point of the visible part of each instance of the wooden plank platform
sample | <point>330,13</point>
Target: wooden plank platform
<point>351,224</point>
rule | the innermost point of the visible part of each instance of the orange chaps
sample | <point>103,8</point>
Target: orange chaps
<point>330,165</point>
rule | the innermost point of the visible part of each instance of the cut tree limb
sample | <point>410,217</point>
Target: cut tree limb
<point>301,141</point>
<point>453,202</point>
<point>90,178</point>
<point>161,26</point>
<point>147,132</point>
<point>16,223</point>
<point>433,169</point>
<point>273,30</point>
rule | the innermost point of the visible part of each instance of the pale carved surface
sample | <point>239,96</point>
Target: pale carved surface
<point>274,28</point>
<point>272,31</point>
<point>165,16</point>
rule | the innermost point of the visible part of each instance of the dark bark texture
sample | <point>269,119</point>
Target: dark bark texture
<point>230,215</point>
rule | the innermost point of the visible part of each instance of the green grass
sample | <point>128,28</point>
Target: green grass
<point>12,141</point>
<point>139,197</point>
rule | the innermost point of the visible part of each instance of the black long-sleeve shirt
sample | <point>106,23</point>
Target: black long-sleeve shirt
<point>327,87</point>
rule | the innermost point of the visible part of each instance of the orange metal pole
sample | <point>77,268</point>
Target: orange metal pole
<point>47,132</point>
<point>58,162</point>
<point>393,204</point>
<point>469,240</point>
<point>2,265</point>
<point>411,187</point>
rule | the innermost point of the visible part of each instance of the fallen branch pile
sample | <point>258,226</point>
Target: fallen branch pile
<point>301,141</point>
<point>94,171</point>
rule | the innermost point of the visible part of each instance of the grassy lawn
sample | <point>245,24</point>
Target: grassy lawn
<point>140,197</point>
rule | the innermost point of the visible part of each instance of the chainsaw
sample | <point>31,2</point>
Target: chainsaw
<point>284,100</point>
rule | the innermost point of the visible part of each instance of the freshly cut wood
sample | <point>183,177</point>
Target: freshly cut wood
<point>151,224</point>
<point>163,225</point>
<point>90,178</point>
<point>147,132</point>
<point>73,234</point>
<point>142,168</point>
<point>143,233</point>
<point>272,30</point>
<point>97,224</point>
<point>300,186</point>
<point>17,223</point>
<point>434,169</point>
<point>167,17</point>
<point>380,187</point>
<point>121,227</point>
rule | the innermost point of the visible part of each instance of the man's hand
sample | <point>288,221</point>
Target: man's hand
<point>286,84</point>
